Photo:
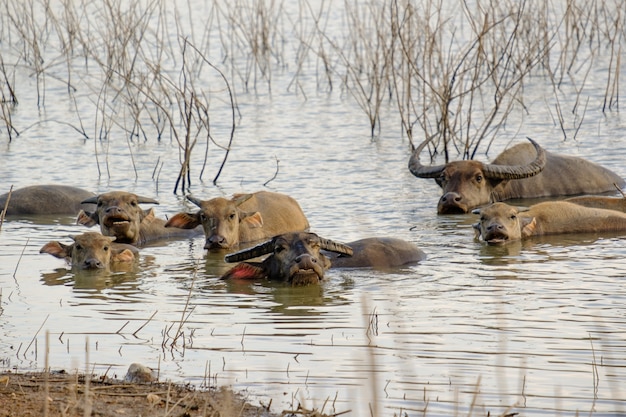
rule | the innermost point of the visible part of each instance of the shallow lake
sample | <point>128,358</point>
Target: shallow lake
<point>536,328</point>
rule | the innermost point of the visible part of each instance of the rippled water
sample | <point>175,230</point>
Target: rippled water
<point>536,328</point>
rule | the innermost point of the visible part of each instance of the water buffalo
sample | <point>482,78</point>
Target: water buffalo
<point>118,213</point>
<point>45,199</point>
<point>91,250</point>
<point>501,223</point>
<point>599,201</point>
<point>298,257</point>
<point>524,171</point>
<point>244,218</point>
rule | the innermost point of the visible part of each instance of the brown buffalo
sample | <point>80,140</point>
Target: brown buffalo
<point>118,213</point>
<point>91,250</point>
<point>45,199</point>
<point>501,223</point>
<point>297,257</point>
<point>599,201</point>
<point>523,171</point>
<point>244,218</point>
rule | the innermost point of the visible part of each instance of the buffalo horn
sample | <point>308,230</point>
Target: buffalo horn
<point>146,200</point>
<point>332,246</point>
<point>140,199</point>
<point>239,199</point>
<point>515,172</point>
<point>90,200</point>
<point>421,171</point>
<point>258,250</point>
<point>194,200</point>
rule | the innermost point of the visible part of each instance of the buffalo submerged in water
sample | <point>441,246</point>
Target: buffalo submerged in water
<point>118,213</point>
<point>243,218</point>
<point>524,171</point>
<point>302,258</point>
<point>45,199</point>
<point>501,223</point>
<point>91,250</point>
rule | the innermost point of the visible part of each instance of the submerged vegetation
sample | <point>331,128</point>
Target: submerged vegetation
<point>453,72</point>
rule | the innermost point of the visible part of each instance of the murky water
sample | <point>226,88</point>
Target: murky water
<point>536,328</point>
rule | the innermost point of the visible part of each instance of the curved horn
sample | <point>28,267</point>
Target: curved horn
<point>258,250</point>
<point>332,246</point>
<point>90,200</point>
<point>194,200</point>
<point>146,200</point>
<point>421,171</point>
<point>515,172</point>
<point>239,199</point>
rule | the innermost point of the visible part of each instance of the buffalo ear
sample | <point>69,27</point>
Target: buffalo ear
<point>528,226</point>
<point>148,216</point>
<point>246,270</point>
<point>125,255</point>
<point>57,249</point>
<point>184,221</point>
<point>476,211</point>
<point>87,219</point>
<point>477,231</point>
<point>253,219</point>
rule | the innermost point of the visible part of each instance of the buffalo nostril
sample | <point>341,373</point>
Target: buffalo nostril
<point>451,197</point>
<point>93,264</point>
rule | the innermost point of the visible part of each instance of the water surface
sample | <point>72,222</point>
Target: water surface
<point>535,327</point>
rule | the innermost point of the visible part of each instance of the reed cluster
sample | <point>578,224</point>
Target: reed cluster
<point>453,71</point>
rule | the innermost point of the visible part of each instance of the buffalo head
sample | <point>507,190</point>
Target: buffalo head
<point>469,184</point>
<point>501,223</point>
<point>220,218</point>
<point>294,258</point>
<point>118,214</point>
<point>91,250</point>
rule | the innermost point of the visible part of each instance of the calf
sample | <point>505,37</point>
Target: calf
<point>91,250</point>
<point>501,223</point>
<point>244,218</point>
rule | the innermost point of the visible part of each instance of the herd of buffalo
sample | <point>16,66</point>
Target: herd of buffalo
<point>278,225</point>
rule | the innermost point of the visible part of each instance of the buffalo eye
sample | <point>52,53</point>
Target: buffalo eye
<point>106,248</point>
<point>279,248</point>
<point>133,203</point>
<point>513,216</point>
<point>78,247</point>
<point>479,178</point>
<point>231,216</point>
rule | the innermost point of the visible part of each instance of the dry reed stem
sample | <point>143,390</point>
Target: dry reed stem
<point>457,88</point>
<point>6,207</point>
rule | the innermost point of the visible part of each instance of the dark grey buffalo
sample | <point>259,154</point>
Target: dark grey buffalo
<point>524,171</point>
<point>302,258</point>
<point>45,199</point>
